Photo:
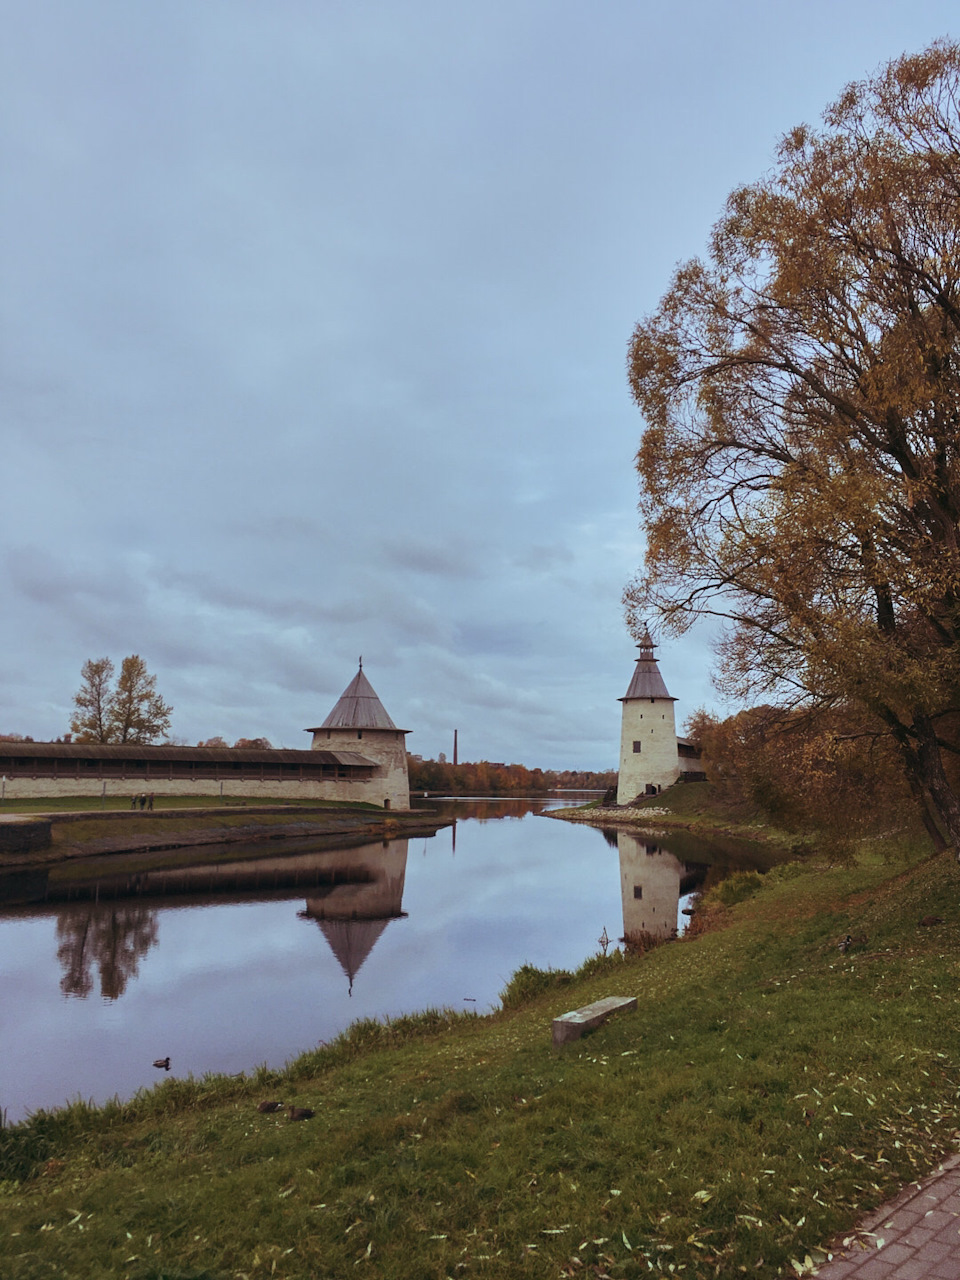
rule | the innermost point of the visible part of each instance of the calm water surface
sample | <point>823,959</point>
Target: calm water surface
<point>254,961</point>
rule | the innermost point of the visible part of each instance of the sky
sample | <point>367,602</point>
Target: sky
<point>313,329</point>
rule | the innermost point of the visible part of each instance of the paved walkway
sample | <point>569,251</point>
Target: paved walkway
<point>915,1237</point>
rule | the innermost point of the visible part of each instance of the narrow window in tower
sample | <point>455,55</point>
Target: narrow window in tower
<point>636,747</point>
<point>638,890</point>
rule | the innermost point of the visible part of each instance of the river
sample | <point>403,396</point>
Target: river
<point>224,968</point>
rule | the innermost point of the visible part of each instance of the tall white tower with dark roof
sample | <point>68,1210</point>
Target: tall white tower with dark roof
<point>648,734</point>
<point>359,724</point>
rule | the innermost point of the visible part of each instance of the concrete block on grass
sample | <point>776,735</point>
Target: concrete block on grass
<point>571,1026</point>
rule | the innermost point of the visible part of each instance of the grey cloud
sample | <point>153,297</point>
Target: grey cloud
<point>442,558</point>
<point>40,576</point>
<point>543,559</point>
<point>314,322</point>
<point>301,530</point>
<point>504,638</point>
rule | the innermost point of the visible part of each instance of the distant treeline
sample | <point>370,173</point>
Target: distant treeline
<point>483,777</point>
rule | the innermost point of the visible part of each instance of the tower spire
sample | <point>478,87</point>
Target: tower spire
<point>645,644</point>
<point>647,681</point>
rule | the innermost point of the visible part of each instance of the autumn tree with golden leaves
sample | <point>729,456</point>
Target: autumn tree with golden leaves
<point>129,712</point>
<point>800,464</point>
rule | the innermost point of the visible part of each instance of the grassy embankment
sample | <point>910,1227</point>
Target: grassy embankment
<point>692,806</point>
<point>246,829</point>
<point>767,1090</point>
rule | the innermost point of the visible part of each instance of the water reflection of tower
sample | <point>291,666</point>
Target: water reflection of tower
<point>353,915</point>
<point>650,888</point>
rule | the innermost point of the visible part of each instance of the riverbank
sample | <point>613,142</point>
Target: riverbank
<point>41,839</point>
<point>769,1088</point>
<point>686,806</point>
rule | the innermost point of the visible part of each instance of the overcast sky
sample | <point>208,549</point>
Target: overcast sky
<point>314,320</point>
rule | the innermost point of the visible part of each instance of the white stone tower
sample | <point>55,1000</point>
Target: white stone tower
<point>648,734</point>
<point>359,724</point>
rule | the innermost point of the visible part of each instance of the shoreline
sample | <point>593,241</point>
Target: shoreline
<point>659,818</point>
<point>48,839</point>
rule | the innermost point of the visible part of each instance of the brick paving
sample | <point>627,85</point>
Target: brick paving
<point>915,1237</point>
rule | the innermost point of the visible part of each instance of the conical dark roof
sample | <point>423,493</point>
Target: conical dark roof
<point>647,681</point>
<point>358,708</point>
<point>351,941</point>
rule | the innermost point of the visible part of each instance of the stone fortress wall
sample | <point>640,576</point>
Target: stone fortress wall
<point>357,755</point>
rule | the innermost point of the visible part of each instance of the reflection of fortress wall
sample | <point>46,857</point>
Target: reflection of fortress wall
<point>650,887</point>
<point>374,887</point>
<point>371,875</point>
<point>352,916</point>
<point>352,894</point>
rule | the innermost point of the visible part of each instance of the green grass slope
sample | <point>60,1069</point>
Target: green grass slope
<point>695,806</point>
<point>768,1089</point>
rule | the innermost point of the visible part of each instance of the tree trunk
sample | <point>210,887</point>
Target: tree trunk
<point>939,840</point>
<point>940,805</point>
<point>933,778</point>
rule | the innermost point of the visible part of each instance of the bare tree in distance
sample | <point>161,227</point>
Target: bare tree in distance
<point>132,712</point>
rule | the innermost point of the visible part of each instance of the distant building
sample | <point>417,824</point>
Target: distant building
<point>357,755</point>
<point>651,755</point>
